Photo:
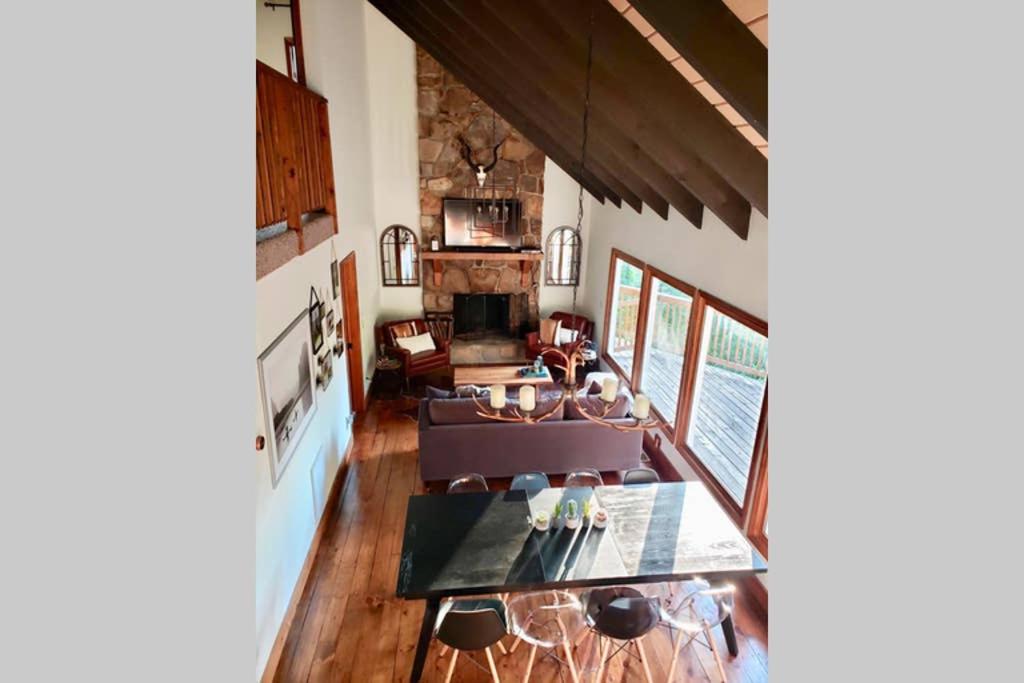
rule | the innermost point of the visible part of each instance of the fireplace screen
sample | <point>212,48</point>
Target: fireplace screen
<point>481,313</point>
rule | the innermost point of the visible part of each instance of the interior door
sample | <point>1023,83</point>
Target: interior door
<point>353,336</point>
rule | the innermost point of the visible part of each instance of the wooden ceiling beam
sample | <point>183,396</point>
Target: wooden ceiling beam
<point>565,53</point>
<point>562,99</point>
<point>626,64</point>
<point>564,122</point>
<point>509,111</point>
<point>720,47</point>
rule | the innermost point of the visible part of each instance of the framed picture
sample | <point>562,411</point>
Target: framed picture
<point>316,328</point>
<point>334,278</point>
<point>329,322</point>
<point>286,373</point>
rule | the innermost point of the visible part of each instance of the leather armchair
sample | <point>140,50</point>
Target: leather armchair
<point>584,326</point>
<point>414,364</point>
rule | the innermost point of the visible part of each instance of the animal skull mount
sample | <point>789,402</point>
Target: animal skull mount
<point>481,170</point>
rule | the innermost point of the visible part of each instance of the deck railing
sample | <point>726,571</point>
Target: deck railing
<point>730,344</point>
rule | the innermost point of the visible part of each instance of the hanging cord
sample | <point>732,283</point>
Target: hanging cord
<point>583,162</point>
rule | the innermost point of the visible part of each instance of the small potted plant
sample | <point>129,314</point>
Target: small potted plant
<point>586,511</point>
<point>600,519</point>
<point>572,515</point>
<point>556,516</point>
<point>541,522</point>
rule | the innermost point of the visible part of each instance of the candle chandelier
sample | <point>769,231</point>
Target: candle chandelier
<point>526,410</point>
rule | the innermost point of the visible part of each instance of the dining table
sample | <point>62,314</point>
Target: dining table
<point>485,543</point>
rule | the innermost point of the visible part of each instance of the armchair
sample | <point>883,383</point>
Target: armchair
<point>584,326</point>
<point>414,364</point>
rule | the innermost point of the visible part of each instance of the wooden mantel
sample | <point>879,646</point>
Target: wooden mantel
<point>439,257</point>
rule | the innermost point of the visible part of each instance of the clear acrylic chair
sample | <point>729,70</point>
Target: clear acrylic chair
<point>466,625</point>
<point>640,475</point>
<point>696,610</point>
<point>530,481</point>
<point>619,617</point>
<point>549,621</point>
<point>471,482</point>
<point>583,478</point>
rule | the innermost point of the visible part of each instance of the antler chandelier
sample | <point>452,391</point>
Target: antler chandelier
<point>525,411</point>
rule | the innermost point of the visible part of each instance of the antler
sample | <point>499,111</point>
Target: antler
<point>494,161</point>
<point>467,154</point>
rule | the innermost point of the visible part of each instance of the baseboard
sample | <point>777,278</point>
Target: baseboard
<point>300,584</point>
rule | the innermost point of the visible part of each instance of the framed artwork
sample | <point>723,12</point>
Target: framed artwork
<point>287,369</point>
<point>316,328</point>
<point>329,322</point>
<point>335,281</point>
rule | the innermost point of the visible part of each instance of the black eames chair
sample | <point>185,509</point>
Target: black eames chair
<point>620,617</point>
<point>640,475</point>
<point>467,625</point>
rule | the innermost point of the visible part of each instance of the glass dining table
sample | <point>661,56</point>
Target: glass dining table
<point>485,543</point>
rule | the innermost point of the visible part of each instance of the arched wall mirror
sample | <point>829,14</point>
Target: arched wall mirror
<point>399,257</point>
<point>279,38</point>
<point>563,257</point>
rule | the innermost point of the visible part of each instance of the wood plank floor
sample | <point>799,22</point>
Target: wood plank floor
<point>349,626</point>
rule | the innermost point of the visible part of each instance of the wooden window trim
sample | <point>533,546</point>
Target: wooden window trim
<point>300,61</point>
<point>759,506</point>
<point>627,377</point>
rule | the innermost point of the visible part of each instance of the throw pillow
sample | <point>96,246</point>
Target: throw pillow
<point>417,344</point>
<point>470,390</point>
<point>549,330</point>
<point>567,336</point>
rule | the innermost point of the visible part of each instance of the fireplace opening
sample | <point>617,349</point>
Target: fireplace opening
<point>481,314</point>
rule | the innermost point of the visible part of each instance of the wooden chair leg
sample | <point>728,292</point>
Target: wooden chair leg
<point>529,664</point>
<point>444,651</point>
<point>515,644</point>
<point>567,646</point>
<point>714,651</point>
<point>501,647</point>
<point>494,669</point>
<point>675,656</point>
<point>451,666</point>
<point>643,660</point>
<point>599,676</point>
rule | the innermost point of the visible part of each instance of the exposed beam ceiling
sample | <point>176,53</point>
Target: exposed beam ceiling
<point>652,137</point>
<point>720,47</point>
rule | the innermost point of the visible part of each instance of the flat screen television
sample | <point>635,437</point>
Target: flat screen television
<point>482,224</point>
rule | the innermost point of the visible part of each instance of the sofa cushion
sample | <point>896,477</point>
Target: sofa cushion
<point>434,392</point>
<point>455,411</point>
<point>549,330</point>
<point>594,405</point>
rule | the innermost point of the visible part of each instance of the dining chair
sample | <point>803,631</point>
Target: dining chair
<point>620,615</point>
<point>468,625</point>
<point>470,482</point>
<point>583,478</point>
<point>530,481</point>
<point>640,475</point>
<point>550,621</point>
<point>699,610</point>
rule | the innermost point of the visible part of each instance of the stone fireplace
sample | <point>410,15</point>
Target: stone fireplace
<point>447,111</point>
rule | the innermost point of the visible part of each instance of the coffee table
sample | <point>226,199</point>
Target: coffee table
<point>486,375</point>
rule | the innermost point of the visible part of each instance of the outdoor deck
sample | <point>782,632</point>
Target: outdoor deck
<point>727,413</point>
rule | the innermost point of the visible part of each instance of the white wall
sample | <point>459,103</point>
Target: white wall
<point>272,27</point>
<point>335,53</point>
<point>561,194</point>
<point>286,516</point>
<point>391,67</point>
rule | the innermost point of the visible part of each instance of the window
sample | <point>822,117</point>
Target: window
<point>623,313</point>
<point>704,365</point>
<point>399,257</point>
<point>563,257</point>
<point>728,395</point>
<point>669,304</point>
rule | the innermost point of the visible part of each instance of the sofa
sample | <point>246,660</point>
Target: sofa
<point>454,440</point>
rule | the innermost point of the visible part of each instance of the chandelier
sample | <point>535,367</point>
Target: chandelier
<point>492,201</point>
<point>526,410</point>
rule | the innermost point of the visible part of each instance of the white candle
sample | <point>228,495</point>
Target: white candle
<point>641,407</point>
<point>497,396</point>
<point>527,398</point>
<point>609,388</point>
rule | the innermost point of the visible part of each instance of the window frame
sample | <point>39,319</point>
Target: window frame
<point>759,506</point>
<point>755,494</point>
<point>627,377</point>
<point>577,249</point>
<point>398,229</point>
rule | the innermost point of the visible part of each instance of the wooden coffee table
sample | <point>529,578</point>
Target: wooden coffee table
<point>486,375</point>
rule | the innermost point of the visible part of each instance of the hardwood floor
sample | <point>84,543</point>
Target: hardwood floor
<point>349,626</point>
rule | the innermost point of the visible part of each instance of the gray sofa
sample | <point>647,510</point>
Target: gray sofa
<point>454,440</point>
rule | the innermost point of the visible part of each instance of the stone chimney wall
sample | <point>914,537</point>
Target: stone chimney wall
<point>447,109</point>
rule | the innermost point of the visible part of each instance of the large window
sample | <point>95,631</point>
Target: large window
<point>728,393</point>
<point>664,350</point>
<point>704,365</point>
<point>623,314</point>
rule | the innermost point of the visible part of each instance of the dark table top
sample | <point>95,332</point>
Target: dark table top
<point>479,543</point>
